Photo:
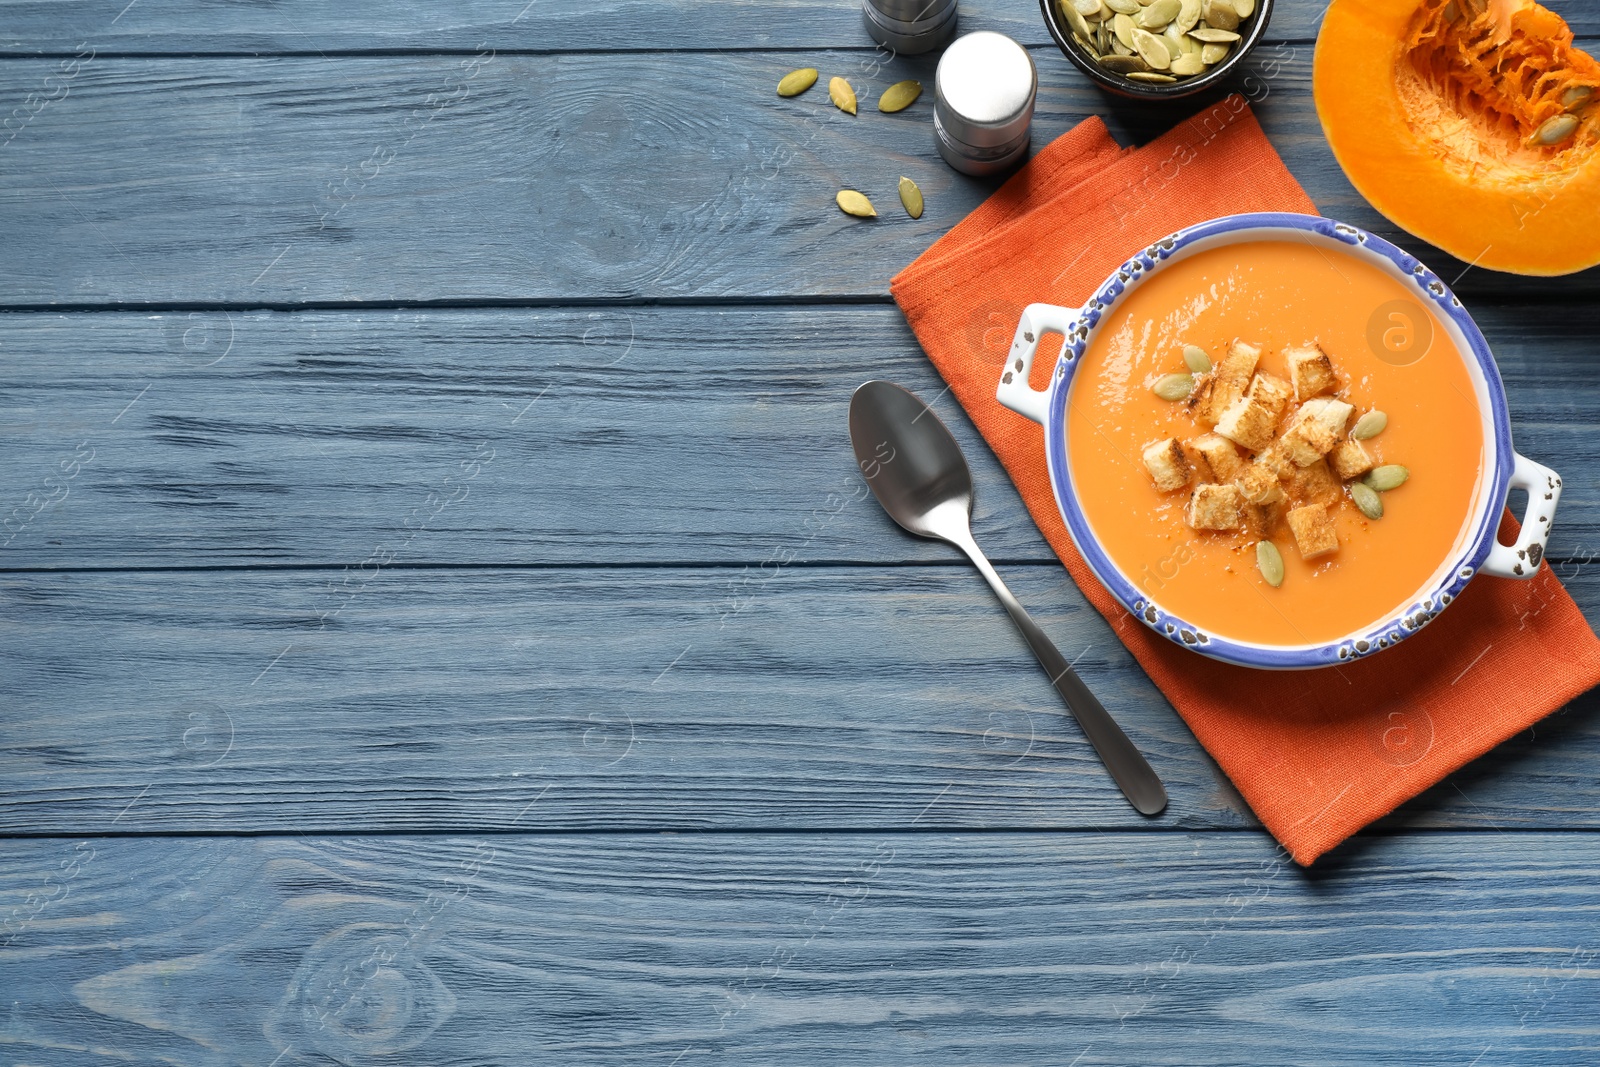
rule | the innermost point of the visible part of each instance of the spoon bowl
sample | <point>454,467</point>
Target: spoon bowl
<point>915,469</point>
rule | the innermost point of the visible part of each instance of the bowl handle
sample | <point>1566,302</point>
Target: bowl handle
<point>1015,392</point>
<point>1522,559</point>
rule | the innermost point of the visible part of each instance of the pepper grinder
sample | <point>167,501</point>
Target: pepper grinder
<point>910,27</point>
<point>983,103</point>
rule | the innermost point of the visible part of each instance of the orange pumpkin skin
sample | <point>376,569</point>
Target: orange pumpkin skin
<point>1435,109</point>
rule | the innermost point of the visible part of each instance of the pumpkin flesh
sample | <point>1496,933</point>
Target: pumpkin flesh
<point>1474,124</point>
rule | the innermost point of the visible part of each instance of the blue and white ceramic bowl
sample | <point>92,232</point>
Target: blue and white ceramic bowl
<point>1476,549</point>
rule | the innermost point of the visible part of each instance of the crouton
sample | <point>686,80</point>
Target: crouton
<point>1315,429</point>
<point>1262,520</point>
<point>1167,464</point>
<point>1246,422</point>
<point>1311,372</point>
<point>1351,459</point>
<point>1275,457</point>
<point>1216,507</point>
<point>1259,483</point>
<point>1227,383</point>
<point>1200,397</point>
<point>1313,484</point>
<point>1270,392</point>
<point>1220,455</point>
<point>1314,533</point>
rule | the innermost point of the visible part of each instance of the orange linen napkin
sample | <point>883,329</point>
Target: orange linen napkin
<point>1317,754</point>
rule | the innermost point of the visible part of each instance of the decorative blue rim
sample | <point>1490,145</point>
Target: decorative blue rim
<point>1397,626</point>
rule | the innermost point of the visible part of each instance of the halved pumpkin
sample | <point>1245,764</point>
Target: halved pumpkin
<point>1473,124</point>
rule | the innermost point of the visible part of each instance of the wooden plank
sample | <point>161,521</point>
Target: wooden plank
<point>35,27</point>
<point>602,435</point>
<point>395,700</point>
<point>268,182</point>
<point>874,948</point>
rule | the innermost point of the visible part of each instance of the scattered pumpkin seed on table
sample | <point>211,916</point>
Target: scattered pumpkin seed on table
<point>911,197</point>
<point>899,96</point>
<point>843,97</point>
<point>797,81</point>
<point>854,203</point>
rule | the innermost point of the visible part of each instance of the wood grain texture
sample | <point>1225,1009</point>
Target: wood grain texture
<point>522,178</point>
<point>603,436</point>
<point>58,26</point>
<point>381,699</point>
<point>1098,949</point>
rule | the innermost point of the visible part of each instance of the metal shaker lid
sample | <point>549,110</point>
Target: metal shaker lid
<point>984,89</point>
<point>917,11</point>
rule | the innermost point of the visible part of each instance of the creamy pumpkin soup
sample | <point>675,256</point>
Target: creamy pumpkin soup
<point>1248,459</point>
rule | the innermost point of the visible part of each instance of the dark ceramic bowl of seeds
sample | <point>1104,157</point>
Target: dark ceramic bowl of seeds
<point>1156,49</point>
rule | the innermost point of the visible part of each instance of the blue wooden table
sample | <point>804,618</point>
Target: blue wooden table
<point>441,623</point>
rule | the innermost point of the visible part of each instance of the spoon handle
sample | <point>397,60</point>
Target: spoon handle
<point>1133,775</point>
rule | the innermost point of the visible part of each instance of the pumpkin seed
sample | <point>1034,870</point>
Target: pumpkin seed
<point>1087,46</point>
<point>1188,15</point>
<point>899,96</point>
<point>1576,96</point>
<point>1159,13</point>
<point>1122,26</point>
<point>1369,425</point>
<point>797,81</point>
<point>1186,64</point>
<point>911,197</point>
<point>1118,48</point>
<point>1173,40</point>
<point>843,97</point>
<point>1196,358</point>
<point>1173,387</point>
<point>1367,500</point>
<point>1075,20</point>
<point>1123,7</point>
<point>1152,49</point>
<point>1212,54</point>
<point>854,203</point>
<point>1089,9</point>
<point>1390,476</point>
<point>1124,64</point>
<point>1245,8</point>
<point>1151,76</point>
<point>1269,561</point>
<point>1190,46</point>
<point>1220,14</point>
<point>1555,129</point>
<point>1212,35</point>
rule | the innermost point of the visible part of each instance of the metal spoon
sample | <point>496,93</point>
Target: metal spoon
<point>917,472</point>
